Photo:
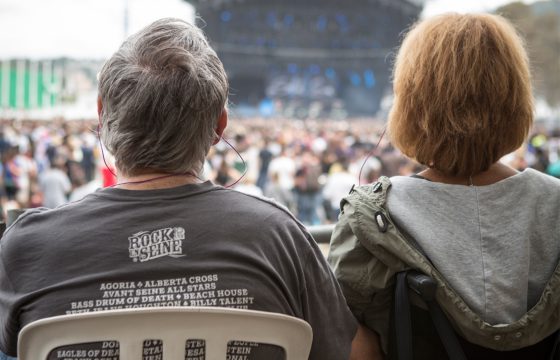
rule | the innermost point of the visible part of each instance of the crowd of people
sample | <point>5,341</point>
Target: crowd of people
<point>330,28</point>
<point>308,166</point>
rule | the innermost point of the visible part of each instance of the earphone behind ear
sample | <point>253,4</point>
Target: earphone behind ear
<point>217,138</point>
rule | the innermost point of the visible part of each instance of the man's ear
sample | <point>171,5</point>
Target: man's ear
<point>221,126</point>
<point>99,108</point>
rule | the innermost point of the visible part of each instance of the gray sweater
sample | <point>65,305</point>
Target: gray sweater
<point>497,245</point>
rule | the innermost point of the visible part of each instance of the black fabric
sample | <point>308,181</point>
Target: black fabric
<point>445,332</point>
<point>542,350</point>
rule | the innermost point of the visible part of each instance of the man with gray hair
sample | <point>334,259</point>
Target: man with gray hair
<point>162,236</point>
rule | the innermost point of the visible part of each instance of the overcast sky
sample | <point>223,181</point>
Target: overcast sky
<point>94,28</point>
<point>76,28</point>
<point>434,7</point>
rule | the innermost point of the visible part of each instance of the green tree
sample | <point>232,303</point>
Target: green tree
<point>541,30</point>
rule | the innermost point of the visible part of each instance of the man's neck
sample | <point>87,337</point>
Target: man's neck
<point>155,180</point>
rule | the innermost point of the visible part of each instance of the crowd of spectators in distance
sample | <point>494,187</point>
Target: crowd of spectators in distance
<point>284,27</point>
<point>308,166</point>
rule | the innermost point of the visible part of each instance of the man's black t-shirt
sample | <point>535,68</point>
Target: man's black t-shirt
<point>194,245</point>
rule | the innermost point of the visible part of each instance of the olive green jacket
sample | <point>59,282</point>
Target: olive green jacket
<point>365,260</point>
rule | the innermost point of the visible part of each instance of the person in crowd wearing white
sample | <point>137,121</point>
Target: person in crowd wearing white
<point>338,185</point>
<point>54,184</point>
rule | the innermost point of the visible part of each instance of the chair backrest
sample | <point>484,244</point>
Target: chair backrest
<point>173,326</point>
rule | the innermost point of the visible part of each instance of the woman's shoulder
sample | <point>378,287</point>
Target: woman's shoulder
<point>540,178</point>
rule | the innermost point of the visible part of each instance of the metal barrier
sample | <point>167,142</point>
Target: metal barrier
<point>12,216</point>
<point>321,233</point>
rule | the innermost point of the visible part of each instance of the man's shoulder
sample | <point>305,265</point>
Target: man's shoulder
<point>19,238</point>
<point>40,219</point>
<point>26,217</point>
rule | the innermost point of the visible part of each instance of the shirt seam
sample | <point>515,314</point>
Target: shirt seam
<point>481,251</point>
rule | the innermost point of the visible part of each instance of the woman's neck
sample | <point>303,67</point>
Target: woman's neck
<point>495,173</point>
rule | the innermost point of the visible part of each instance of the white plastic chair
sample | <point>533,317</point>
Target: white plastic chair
<point>172,325</point>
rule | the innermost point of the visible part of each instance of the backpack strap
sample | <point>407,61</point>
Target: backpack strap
<point>402,320</point>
